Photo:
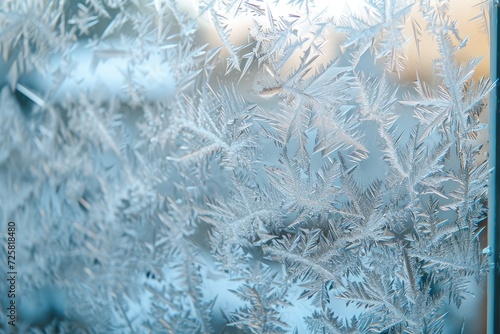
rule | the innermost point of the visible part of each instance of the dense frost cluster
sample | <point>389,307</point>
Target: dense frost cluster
<point>161,183</point>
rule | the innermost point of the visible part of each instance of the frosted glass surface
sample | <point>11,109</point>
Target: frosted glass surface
<point>288,166</point>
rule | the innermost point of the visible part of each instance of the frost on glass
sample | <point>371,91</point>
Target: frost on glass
<point>168,176</point>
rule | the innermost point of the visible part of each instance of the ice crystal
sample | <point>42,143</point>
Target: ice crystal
<point>163,183</point>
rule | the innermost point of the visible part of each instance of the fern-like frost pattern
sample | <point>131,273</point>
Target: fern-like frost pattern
<point>164,183</point>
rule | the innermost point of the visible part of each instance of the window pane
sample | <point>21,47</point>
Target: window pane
<point>245,166</point>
